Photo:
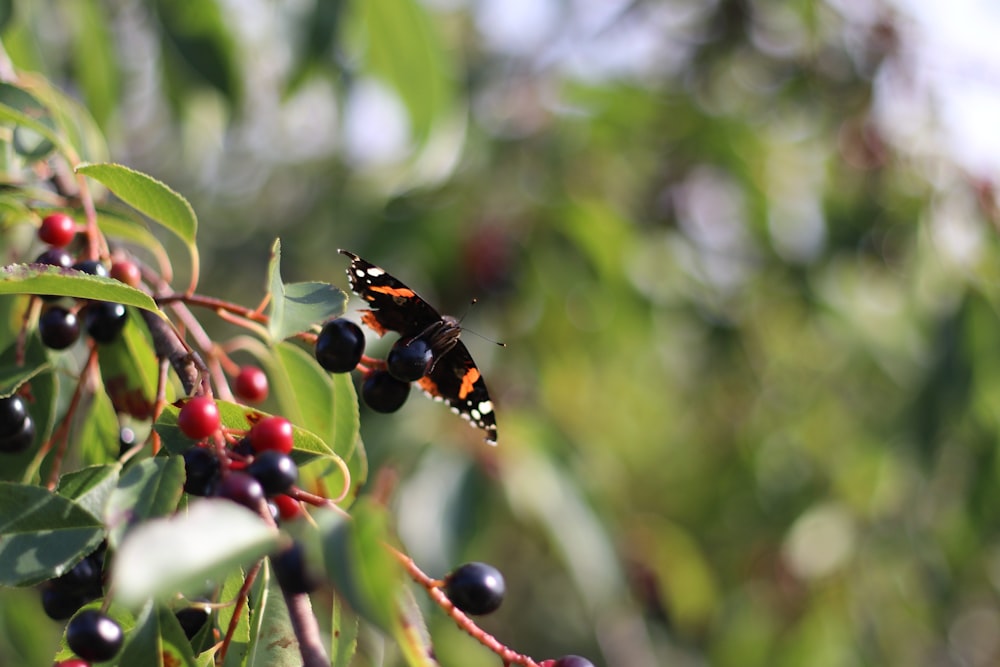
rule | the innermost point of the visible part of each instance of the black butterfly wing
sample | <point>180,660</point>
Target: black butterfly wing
<point>395,307</point>
<point>456,380</point>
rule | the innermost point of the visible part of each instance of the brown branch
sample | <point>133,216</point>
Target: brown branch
<point>168,345</point>
<point>306,630</point>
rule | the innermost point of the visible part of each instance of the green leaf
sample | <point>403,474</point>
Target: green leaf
<point>148,196</point>
<point>45,279</point>
<point>94,61</point>
<point>130,371</point>
<point>411,632</point>
<point>344,628</point>
<point>272,638</point>
<point>150,488</point>
<point>119,614</point>
<point>42,534</point>
<point>125,229</point>
<point>240,644</point>
<point>163,556</point>
<point>90,487</point>
<point>296,307</point>
<point>97,437</point>
<point>305,391</point>
<point>306,445</point>
<point>6,13</point>
<point>358,563</point>
<point>34,134</point>
<point>157,640</point>
<point>403,51</point>
<point>12,375</point>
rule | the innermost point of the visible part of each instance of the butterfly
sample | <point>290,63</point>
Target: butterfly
<point>453,376</point>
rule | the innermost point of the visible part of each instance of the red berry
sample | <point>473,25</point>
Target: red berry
<point>72,662</point>
<point>272,433</point>
<point>251,384</point>
<point>199,418</point>
<point>126,272</point>
<point>288,507</point>
<point>57,229</point>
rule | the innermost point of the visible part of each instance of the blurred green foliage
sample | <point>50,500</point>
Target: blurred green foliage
<point>748,404</point>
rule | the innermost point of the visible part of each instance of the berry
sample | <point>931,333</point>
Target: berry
<point>60,604</point>
<point>58,328</point>
<point>94,636</point>
<point>292,572</point>
<point>21,439</point>
<point>104,320</point>
<point>193,619</point>
<point>126,440</point>
<point>251,384</point>
<point>384,393</point>
<point>275,471</point>
<point>13,412</point>
<point>340,345</point>
<point>243,489</point>
<point>127,272</point>
<point>288,507</point>
<point>93,267</point>
<point>572,661</point>
<point>475,588</point>
<point>199,418</point>
<point>272,433</point>
<point>58,229</point>
<point>55,257</point>
<point>202,469</point>
<point>72,662</point>
<point>409,359</point>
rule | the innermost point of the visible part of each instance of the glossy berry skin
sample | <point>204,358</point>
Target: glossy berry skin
<point>243,489</point>
<point>572,661</point>
<point>475,588</point>
<point>94,636</point>
<point>20,440</point>
<point>383,393</point>
<point>13,412</point>
<point>202,471</point>
<point>275,471</point>
<point>340,345</point>
<point>72,662</point>
<point>55,257</point>
<point>199,418</point>
<point>58,230</point>
<point>93,267</point>
<point>409,359</point>
<point>272,433</point>
<point>60,604</point>
<point>251,384</point>
<point>126,272</point>
<point>288,507</point>
<point>58,328</point>
<point>104,320</point>
<point>292,572</point>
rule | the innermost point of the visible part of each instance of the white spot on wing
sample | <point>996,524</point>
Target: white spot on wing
<point>375,272</point>
<point>486,407</point>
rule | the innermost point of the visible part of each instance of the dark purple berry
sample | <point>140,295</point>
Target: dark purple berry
<point>243,489</point>
<point>193,619</point>
<point>60,604</point>
<point>202,470</point>
<point>94,636</point>
<point>572,661</point>
<point>409,359</point>
<point>293,572</point>
<point>13,412</point>
<point>55,257</point>
<point>275,471</point>
<point>58,328</point>
<point>384,393</point>
<point>475,588</point>
<point>93,267</point>
<point>340,345</point>
<point>104,320</point>
<point>21,439</point>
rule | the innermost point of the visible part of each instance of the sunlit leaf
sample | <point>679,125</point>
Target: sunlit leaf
<point>272,638</point>
<point>296,307</point>
<point>90,487</point>
<point>157,640</point>
<point>147,489</point>
<point>54,280</point>
<point>130,371</point>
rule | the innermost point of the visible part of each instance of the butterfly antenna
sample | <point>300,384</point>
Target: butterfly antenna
<point>473,302</point>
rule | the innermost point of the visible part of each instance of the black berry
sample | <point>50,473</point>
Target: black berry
<point>475,588</point>
<point>104,320</point>
<point>340,345</point>
<point>193,619</point>
<point>243,489</point>
<point>384,393</point>
<point>409,359</point>
<point>13,412</point>
<point>61,604</point>
<point>93,267</point>
<point>55,257</point>
<point>94,636</point>
<point>293,573</point>
<point>572,661</point>
<point>21,439</point>
<point>275,471</point>
<point>202,470</point>
<point>58,328</point>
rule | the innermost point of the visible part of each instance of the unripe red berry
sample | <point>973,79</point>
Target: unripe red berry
<point>199,418</point>
<point>272,433</point>
<point>58,230</point>
<point>127,272</point>
<point>251,384</point>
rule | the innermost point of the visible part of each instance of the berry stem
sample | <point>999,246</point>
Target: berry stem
<point>432,586</point>
<point>241,600</point>
<point>213,303</point>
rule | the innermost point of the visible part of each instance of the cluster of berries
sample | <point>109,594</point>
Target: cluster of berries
<point>340,347</point>
<point>59,326</point>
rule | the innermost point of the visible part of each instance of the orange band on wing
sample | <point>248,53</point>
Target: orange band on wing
<point>404,292</point>
<point>468,380</point>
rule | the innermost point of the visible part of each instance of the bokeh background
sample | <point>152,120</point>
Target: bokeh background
<point>743,254</point>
